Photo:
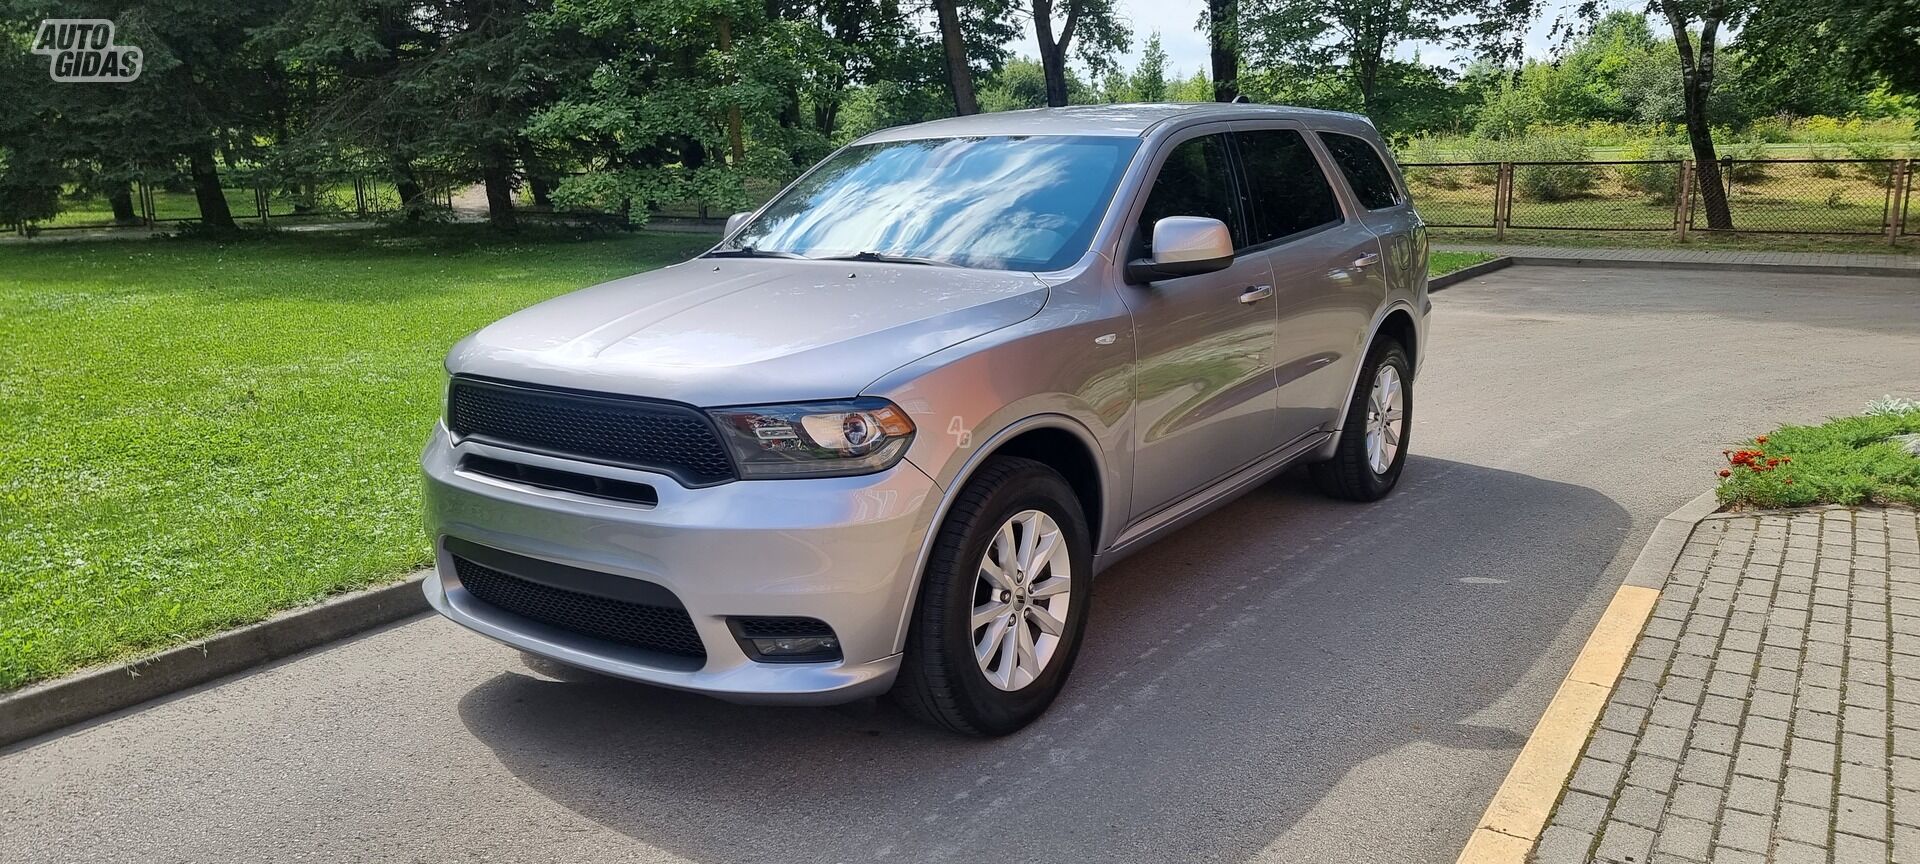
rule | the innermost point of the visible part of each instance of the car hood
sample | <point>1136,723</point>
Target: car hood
<point>740,331</point>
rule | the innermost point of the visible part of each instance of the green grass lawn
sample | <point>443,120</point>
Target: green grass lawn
<point>1848,460</point>
<point>194,435</point>
<point>1440,263</point>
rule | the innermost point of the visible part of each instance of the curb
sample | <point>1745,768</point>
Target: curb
<point>1518,812</point>
<point>45,707</point>
<point>1738,266</point>
<point>1463,274</point>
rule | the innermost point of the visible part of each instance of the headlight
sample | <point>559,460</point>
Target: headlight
<point>815,439</point>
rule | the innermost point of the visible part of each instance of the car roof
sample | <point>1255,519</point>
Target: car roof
<point>1123,120</point>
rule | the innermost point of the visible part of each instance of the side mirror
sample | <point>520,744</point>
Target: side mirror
<point>735,221</point>
<point>1184,246</point>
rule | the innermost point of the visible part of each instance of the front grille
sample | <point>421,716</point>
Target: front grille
<point>666,629</point>
<point>637,433</point>
<point>773,628</point>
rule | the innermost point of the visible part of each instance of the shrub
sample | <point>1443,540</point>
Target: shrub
<point>1428,150</point>
<point>1822,170</point>
<point>1551,182</point>
<point>1745,167</point>
<point>1658,177</point>
<point>1878,171</point>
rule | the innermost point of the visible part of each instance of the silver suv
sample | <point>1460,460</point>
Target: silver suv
<point>884,435</point>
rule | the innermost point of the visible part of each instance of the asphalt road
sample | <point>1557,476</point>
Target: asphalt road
<point>1289,680</point>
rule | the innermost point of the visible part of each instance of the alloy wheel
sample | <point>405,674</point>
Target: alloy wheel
<point>1386,418</point>
<point>1020,600</point>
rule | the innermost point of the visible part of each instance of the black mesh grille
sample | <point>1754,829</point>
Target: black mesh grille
<point>773,628</point>
<point>655,628</point>
<point>672,439</point>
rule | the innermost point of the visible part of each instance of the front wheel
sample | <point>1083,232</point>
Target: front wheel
<point>1002,604</point>
<point>1373,438</point>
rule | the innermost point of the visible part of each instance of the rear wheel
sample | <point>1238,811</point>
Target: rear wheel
<point>1374,435</point>
<point>1002,604</point>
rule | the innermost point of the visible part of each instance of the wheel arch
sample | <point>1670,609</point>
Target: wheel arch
<point>1057,440</point>
<point>1397,321</point>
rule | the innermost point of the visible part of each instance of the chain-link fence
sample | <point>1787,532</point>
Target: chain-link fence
<point>1848,197</point>
<point>1456,194</point>
<point>1808,196</point>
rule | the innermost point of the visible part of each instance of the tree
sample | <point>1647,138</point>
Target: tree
<point>1697,68</point>
<point>1100,33</point>
<point>953,44</point>
<point>1223,43</point>
<point>1874,40</point>
<point>1149,79</point>
<point>1360,36</point>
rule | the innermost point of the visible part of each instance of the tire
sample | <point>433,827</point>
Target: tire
<point>1352,474</point>
<point>941,681</point>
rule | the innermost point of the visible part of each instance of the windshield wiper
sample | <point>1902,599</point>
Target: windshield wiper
<point>883,258</point>
<point>749,252</point>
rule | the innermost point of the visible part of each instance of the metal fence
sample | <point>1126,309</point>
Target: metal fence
<point>1843,197</point>
<point>318,198</point>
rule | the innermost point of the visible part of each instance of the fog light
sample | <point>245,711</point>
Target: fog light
<point>795,647</point>
<point>786,640</point>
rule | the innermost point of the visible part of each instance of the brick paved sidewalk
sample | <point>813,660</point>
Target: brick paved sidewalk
<point>1697,256</point>
<point>1771,708</point>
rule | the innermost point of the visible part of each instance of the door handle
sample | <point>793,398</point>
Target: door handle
<point>1257,294</point>
<point>1367,260</point>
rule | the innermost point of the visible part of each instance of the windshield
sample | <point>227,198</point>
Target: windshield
<point>1002,203</point>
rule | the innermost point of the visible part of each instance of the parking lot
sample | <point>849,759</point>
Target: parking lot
<point>1291,679</point>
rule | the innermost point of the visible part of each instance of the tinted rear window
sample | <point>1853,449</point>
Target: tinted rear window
<point>1290,193</point>
<point>1371,181</point>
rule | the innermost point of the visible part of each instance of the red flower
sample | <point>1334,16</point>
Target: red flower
<point>1760,440</point>
<point>1725,473</point>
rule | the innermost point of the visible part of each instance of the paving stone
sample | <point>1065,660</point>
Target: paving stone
<point>1803,786</point>
<point>1803,823</point>
<point>1694,801</point>
<point>1848,849</point>
<point>1653,772</point>
<point>1807,753</point>
<point>1581,811</point>
<point>1861,818</point>
<point>1763,704</point>
<point>1867,782</point>
<point>1623,718</point>
<point>1753,760</point>
<point>1727,855</point>
<point>1863,749</point>
<point>1596,777</point>
<point>1747,831</point>
<point>1610,746</point>
<point>1639,806</point>
<point>1700,766</point>
<point>1560,844</point>
<point>1684,838</point>
<point>1816,726</point>
<point>1663,741</point>
<point>1765,731</point>
<point>1623,842</point>
<point>1906,773</point>
<point>1714,737</point>
<point>1753,795</point>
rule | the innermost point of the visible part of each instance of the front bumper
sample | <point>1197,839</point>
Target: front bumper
<point>842,550</point>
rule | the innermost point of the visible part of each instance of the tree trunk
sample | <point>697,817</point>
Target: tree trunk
<point>413,198</point>
<point>206,189</point>
<point>1223,37</point>
<point>1696,83</point>
<point>1053,53</point>
<point>121,197</point>
<point>959,71</point>
<point>735,140</point>
<point>496,172</point>
<point>1055,65</point>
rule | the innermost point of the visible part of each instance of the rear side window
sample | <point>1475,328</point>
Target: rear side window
<point>1371,181</point>
<point>1290,193</point>
<point>1197,180</point>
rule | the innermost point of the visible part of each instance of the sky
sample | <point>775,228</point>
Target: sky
<point>1178,23</point>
